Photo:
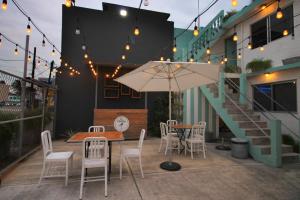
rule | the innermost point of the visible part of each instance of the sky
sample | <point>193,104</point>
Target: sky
<point>47,15</point>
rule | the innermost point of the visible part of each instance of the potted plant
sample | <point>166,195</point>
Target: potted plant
<point>259,65</point>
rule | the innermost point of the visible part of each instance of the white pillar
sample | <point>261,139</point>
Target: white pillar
<point>196,96</point>
<point>188,106</point>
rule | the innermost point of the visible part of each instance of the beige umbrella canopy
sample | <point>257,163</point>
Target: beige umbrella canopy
<point>159,76</point>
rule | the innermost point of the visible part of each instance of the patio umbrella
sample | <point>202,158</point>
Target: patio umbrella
<point>166,76</point>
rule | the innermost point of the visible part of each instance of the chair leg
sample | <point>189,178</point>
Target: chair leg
<point>72,164</point>
<point>167,146</point>
<point>105,175</point>
<point>192,151</point>
<point>178,147</point>
<point>141,167</point>
<point>185,148</point>
<point>204,149</point>
<point>67,172</point>
<point>43,171</point>
<point>161,141</point>
<point>81,182</point>
<point>121,162</point>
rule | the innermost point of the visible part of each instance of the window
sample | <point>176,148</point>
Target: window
<point>282,93</point>
<point>259,33</point>
<point>270,28</point>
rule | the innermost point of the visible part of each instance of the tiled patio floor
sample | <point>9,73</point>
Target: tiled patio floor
<point>217,177</point>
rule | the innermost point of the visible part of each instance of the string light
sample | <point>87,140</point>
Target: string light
<point>261,48</point>
<point>249,46</point>
<point>4,5</point>
<point>146,2</point>
<point>127,46</point>
<point>208,51</point>
<point>66,64</point>
<point>279,13</point>
<point>90,62</point>
<point>53,51</point>
<point>68,3</point>
<point>16,50</point>
<point>234,3</point>
<point>162,58</point>
<point>196,31</point>
<point>123,12</point>
<point>264,6</point>
<point>136,31</point>
<point>83,47</point>
<point>123,57</point>
<point>225,59</point>
<point>43,42</point>
<point>208,61</point>
<point>28,29</point>
<point>285,32</point>
<point>174,47</point>
<point>239,55</point>
<point>0,39</point>
<point>86,56</point>
<point>77,30</point>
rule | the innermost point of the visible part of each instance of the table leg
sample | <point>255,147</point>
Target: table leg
<point>109,159</point>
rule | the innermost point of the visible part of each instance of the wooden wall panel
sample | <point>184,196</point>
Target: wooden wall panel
<point>137,120</point>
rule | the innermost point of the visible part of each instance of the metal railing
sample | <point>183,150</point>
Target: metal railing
<point>26,108</point>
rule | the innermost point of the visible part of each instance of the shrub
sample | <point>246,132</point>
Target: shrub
<point>259,65</point>
<point>289,140</point>
<point>229,14</point>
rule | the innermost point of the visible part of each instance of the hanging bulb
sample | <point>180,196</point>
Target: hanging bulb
<point>191,59</point>
<point>127,46</point>
<point>208,51</point>
<point>86,56</point>
<point>249,46</point>
<point>28,29</point>
<point>66,64</point>
<point>123,57</point>
<point>60,59</point>
<point>90,62</point>
<point>196,31</point>
<point>234,3</point>
<point>136,31</point>
<point>38,62</point>
<point>264,6</point>
<point>222,62</point>
<point>162,58</point>
<point>285,32</point>
<point>4,5</point>
<point>0,40</point>
<point>53,51</point>
<point>83,47</point>
<point>77,31</point>
<point>235,37</point>
<point>174,48</point>
<point>279,13</point>
<point>16,50</point>
<point>29,58</point>
<point>225,59</point>
<point>239,56</point>
<point>261,48</point>
<point>146,2</point>
<point>43,42</point>
<point>68,3</point>
<point>208,61</point>
<point>46,64</point>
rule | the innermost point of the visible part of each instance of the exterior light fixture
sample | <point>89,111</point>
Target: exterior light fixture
<point>107,75</point>
<point>263,6</point>
<point>123,57</point>
<point>146,2</point>
<point>222,62</point>
<point>234,3</point>
<point>77,30</point>
<point>162,58</point>
<point>83,47</point>
<point>43,42</point>
<point>279,13</point>
<point>225,59</point>
<point>127,46</point>
<point>123,12</point>
<point>261,48</point>
<point>53,51</point>
<point>249,46</point>
<point>285,32</point>
<point>90,62</point>
<point>239,56</point>
<point>68,3</point>
<point>4,5</point>
<point>235,37</point>
<point>29,58</point>
<point>196,31</point>
<point>174,46</point>
<point>86,55</point>
<point>208,61</point>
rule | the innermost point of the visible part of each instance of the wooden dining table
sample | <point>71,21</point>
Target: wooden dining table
<point>180,130</point>
<point>111,136</point>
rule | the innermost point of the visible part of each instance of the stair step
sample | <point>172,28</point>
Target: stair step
<point>243,117</point>
<point>256,132</point>
<point>266,149</point>
<point>249,124</point>
<point>290,158</point>
<point>237,111</point>
<point>232,106</point>
<point>260,140</point>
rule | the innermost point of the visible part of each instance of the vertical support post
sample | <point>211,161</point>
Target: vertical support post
<point>23,94</point>
<point>222,88</point>
<point>276,141</point>
<point>96,88</point>
<point>243,88</point>
<point>45,93</point>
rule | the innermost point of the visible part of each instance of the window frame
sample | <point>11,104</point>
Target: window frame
<point>272,96</point>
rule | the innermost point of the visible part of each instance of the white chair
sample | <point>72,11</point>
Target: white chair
<point>93,157</point>
<point>196,140</point>
<point>51,157</point>
<point>96,129</point>
<point>170,124</point>
<point>133,153</point>
<point>170,139</point>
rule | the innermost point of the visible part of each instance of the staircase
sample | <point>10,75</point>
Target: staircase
<point>244,123</point>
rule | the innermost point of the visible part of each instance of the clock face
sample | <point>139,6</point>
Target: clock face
<point>121,123</point>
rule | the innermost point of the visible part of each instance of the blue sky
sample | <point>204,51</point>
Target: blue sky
<point>47,15</point>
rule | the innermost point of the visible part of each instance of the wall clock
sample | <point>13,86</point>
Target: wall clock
<point>121,123</point>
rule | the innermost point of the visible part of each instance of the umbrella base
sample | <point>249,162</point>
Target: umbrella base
<point>170,166</point>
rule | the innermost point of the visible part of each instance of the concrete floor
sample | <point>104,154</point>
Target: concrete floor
<point>218,177</point>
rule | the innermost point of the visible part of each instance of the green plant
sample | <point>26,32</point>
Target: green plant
<point>232,69</point>
<point>289,140</point>
<point>259,65</point>
<point>229,14</point>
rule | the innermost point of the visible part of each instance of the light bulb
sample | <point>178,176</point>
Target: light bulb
<point>68,3</point>
<point>136,31</point>
<point>29,58</point>
<point>239,56</point>
<point>83,47</point>
<point>77,31</point>
<point>127,47</point>
<point>208,50</point>
<point>285,32</point>
<point>123,57</point>
<point>225,59</point>
<point>174,48</point>
<point>4,5</point>
<point>123,12</point>
<point>279,13</point>
<point>146,2</point>
<point>208,61</point>
<point>261,48</point>
<point>161,58</point>
<point>90,62</point>
<point>43,42</point>
<point>235,37</point>
<point>263,6</point>
<point>86,56</point>
<point>66,64</point>
<point>196,31</point>
<point>234,3</point>
<point>53,51</point>
<point>16,50</point>
<point>191,59</point>
<point>28,29</point>
<point>249,46</point>
<point>222,62</point>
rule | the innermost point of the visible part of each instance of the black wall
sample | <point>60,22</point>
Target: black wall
<point>106,33</point>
